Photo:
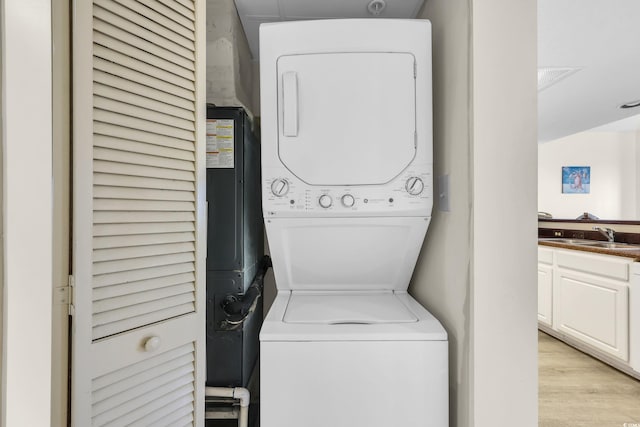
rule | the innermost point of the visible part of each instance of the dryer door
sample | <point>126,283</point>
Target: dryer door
<point>346,118</point>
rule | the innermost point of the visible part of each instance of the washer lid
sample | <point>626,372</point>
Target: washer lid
<point>347,118</point>
<point>334,308</point>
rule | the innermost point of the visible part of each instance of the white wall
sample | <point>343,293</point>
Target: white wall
<point>1,211</point>
<point>614,181</point>
<point>475,273</point>
<point>504,261</point>
<point>27,212</point>
<point>441,281</point>
<point>230,80</point>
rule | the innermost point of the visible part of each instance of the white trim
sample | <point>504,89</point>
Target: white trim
<point>201,208</point>
<point>27,212</point>
<point>82,137</point>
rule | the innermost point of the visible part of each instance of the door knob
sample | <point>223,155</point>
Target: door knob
<point>151,344</point>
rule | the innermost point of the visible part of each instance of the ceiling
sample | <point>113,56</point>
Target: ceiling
<point>596,41</point>
<point>255,12</point>
<point>601,39</point>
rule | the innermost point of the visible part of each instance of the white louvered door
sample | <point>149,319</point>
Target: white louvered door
<point>138,327</point>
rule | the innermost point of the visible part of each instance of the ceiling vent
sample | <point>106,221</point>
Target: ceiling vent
<point>548,76</point>
<point>255,12</point>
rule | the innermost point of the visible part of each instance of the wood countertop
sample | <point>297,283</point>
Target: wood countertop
<point>627,253</point>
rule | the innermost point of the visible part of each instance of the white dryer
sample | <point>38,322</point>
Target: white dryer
<point>347,199</point>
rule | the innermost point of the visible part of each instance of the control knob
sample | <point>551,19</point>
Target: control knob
<point>414,186</point>
<point>280,187</point>
<point>348,201</point>
<point>325,201</point>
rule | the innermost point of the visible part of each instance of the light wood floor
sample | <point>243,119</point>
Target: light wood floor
<point>577,390</point>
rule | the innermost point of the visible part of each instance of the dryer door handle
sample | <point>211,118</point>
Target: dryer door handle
<point>290,103</point>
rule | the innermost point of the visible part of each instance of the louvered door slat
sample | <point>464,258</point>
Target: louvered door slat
<point>149,69</point>
<point>113,303</point>
<point>111,19</point>
<point>105,327</point>
<point>157,17</point>
<point>159,378</point>
<point>141,228</point>
<point>108,104</point>
<point>184,7</point>
<point>107,47</point>
<point>177,412</point>
<point>168,13</point>
<point>186,3</point>
<point>144,386</point>
<point>139,209</point>
<point>128,384</point>
<point>107,192</point>
<point>106,217</point>
<point>145,274</point>
<point>175,421</point>
<point>143,124</point>
<point>142,171</point>
<point>102,242</point>
<point>141,78</point>
<point>134,88</point>
<point>108,129</point>
<point>105,267</point>
<point>128,146</point>
<point>110,311</point>
<point>141,182</point>
<point>139,252</point>
<point>137,315</point>
<point>141,101</point>
<point>120,156</point>
<point>113,41</point>
<point>116,309</point>
<point>129,371</point>
<point>145,22</point>
<point>139,205</point>
<point>141,286</point>
<point>146,410</point>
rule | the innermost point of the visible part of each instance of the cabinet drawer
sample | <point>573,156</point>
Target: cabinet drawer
<point>600,265</point>
<point>545,256</point>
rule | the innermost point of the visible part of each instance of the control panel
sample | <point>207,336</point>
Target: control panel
<point>410,193</point>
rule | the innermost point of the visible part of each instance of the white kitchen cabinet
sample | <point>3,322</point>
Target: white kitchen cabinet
<point>594,310</point>
<point>545,286</point>
<point>584,298</point>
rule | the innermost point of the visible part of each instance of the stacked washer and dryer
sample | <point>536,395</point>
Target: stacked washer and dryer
<point>347,173</point>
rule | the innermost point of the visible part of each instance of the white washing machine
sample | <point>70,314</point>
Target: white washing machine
<point>347,199</point>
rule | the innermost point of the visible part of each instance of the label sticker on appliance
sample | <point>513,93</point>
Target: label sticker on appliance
<point>220,143</point>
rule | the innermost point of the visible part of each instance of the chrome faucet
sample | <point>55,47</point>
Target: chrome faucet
<point>609,233</point>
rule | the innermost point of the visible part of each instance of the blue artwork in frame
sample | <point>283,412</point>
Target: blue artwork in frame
<point>576,179</point>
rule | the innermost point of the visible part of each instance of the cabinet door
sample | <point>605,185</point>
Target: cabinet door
<point>593,310</point>
<point>545,294</point>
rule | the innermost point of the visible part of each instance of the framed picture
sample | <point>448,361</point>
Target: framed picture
<point>576,179</point>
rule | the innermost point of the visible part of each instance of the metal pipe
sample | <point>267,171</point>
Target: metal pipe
<point>238,308</point>
<point>238,393</point>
